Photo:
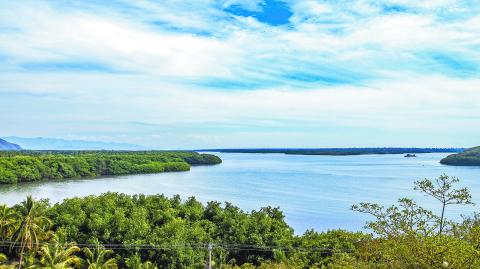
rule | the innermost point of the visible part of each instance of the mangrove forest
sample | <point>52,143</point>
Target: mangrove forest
<point>28,166</point>
<point>115,230</point>
<point>469,157</point>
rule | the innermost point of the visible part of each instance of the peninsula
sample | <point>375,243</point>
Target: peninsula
<point>28,166</point>
<point>469,157</point>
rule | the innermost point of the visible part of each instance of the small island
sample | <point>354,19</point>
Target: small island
<point>470,157</point>
<point>29,166</point>
<point>409,155</point>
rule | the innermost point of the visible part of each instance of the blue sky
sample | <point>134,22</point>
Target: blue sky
<point>237,73</point>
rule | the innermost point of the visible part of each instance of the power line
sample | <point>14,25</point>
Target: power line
<point>172,246</point>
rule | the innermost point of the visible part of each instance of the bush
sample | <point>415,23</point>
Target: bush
<point>7,176</point>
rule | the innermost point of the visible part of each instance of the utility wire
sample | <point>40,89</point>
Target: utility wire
<point>172,246</point>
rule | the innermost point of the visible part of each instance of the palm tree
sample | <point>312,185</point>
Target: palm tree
<point>135,262</point>
<point>58,256</point>
<point>33,225</point>
<point>8,221</point>
<point>97,259</point>
<point>149,265</point>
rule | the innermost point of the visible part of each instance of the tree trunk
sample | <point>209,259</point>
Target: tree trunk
<point>441,219</point>
<point>21,257</point>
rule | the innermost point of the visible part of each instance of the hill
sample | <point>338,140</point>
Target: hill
<point>5,145</point>
<point>470,157</point>
<point>45,143</point>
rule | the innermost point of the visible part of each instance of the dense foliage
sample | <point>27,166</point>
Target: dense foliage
<point>160,231</point>
<point>25,166</point>
<point>122,231</point>
<point>470,157</point>
<point>339,151</point>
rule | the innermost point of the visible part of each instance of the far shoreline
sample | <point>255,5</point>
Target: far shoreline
<point>335,151</point>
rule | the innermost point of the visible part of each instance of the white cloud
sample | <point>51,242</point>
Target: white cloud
<point>423,4</point>
<point>127,45</point>
<point>157,69</point>
<point>52,36</point>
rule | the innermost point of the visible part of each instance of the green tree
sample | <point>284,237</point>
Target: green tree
<point>407,234</point>
<point>41,165</point>
<point>135,262</point>
<point>32,228</point>
<point>58,255</point>
<point>8,221</point>
<point>442,190</point>
<point>98,257</point>
<point>405,218</point>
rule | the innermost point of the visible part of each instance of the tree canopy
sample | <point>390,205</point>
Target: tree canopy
<point>27,166</point>
<point>469,157</point>
<point>115,230</point>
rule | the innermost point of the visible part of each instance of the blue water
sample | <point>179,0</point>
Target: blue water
<point>312,191</point>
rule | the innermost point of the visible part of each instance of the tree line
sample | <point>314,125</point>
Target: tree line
<point>28,166</point>
<point>469,157</point>
<point>338,151</point>
<point>115,230</point>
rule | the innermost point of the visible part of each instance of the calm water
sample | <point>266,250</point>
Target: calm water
<point>313,191</point>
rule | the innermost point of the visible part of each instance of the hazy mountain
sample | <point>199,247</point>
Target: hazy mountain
<point>5,145</point>
<point>42,143</point>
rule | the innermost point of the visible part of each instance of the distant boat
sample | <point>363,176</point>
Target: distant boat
<point>410,155</point>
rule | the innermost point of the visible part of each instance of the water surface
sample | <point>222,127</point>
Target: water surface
<point>313,191</point>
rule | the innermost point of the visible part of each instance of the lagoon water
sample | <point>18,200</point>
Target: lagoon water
<point>312,191</point>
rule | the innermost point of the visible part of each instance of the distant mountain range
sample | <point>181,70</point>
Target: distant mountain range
<point>42,143</point>
<point>5,145</point>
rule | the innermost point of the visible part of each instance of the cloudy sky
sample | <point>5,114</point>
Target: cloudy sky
<point>242,73</point>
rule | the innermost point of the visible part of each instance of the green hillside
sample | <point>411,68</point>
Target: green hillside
<point>470,157</point>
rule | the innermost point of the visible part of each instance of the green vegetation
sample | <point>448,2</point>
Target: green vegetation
<point>121,231</point>
<point>338,151</point>
<point>27,166</point>
<point>470,157</point>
